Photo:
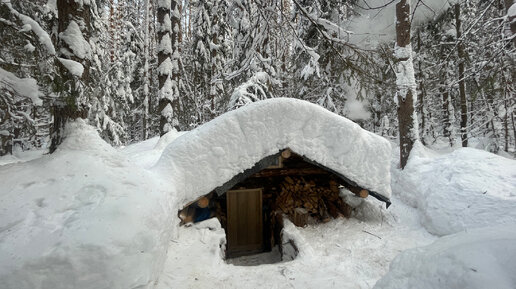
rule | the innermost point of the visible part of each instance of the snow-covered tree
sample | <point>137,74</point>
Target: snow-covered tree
<point>406,95</point>
<point>73,61</point>
<point>168,54</point>
<point>26,70</point>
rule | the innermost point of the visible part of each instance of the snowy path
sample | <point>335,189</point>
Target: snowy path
<point>339,254</point>
<point>272,257</point>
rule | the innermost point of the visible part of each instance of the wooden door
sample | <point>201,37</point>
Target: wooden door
<point>244,223</point>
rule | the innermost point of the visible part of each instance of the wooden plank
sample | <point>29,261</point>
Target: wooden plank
<point>232,217</point>
<point>287,172</point>
<point>245,226</point>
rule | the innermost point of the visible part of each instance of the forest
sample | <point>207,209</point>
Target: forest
<point>141,68</point>
<point>157,144</point>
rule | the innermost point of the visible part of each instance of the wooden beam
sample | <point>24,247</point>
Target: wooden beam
<point>286,153</point>
<point>359,192</point>
<point>287,172</point>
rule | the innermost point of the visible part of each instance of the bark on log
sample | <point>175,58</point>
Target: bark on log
<point>286,154</point>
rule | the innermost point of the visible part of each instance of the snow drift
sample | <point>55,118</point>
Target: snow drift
<point>83,217</point>
<point>456,191</point>
<point>226,146</point>
<point>476,259</point>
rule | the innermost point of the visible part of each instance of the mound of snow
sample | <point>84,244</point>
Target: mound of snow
<point>167,139</point>
<point>480,258</point>
<point>467,188</point>
<point>237,140</point>
<point>83,217</point>
<point>146,154</point>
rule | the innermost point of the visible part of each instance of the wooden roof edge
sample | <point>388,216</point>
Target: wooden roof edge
<point>269,160</point>
<point>263,164</point>
<point>378,196</point>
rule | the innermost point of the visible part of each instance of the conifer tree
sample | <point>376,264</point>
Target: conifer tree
<point>73,61</point>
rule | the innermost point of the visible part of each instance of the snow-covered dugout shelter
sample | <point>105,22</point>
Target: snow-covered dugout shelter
<point>253,165</point>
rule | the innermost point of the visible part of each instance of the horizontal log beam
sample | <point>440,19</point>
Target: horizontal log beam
<point>359,192</point>
<point>288,172</point>
<point>287,153</point>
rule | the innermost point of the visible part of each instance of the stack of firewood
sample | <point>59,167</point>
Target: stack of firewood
<point>300,198</point>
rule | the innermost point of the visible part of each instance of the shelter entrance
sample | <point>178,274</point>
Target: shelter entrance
<point>253,205</point>
<point>244,222</point>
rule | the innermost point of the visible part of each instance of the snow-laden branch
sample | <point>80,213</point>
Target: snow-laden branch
<point>42,35</point>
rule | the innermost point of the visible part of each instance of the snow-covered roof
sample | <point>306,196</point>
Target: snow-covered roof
<point>212,154</point>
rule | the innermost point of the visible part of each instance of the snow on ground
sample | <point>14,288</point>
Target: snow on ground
<point>83,217</point>
<point>20,156</point>
<point>146,153</point>
<point>272,257</point>
<point>464,189</point>
<point>343,253</point>
<point>90,216</point>
<point>356,252</point>
<point>474,259</point>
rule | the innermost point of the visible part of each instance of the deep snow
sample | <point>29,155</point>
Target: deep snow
<point>344,253</point>
<point>83,217</point>
<point>237,140</point>
<point>90,216</point>
<point>466,188</point>
<point>474,259</point>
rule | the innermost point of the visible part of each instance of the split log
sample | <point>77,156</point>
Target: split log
<point>334,186</point>
<point>301,194</point>
<point>300,217</point>
<point>333,210</point>
<point>344,208</point>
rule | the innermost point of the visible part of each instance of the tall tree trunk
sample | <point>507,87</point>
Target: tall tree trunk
<point>167,68</point>
<point>421,90</point>
<point>509,80</point>
<point>506,125</point>
<point>71,103</point>
<point>213,52</point>
<point>448,115</point>
<point>176,52</point>
<point>180,25</point>
<point>462,88</point>
<point>405,83</point>
<point>112,30</point>
<point>512,18</point>
<point>145,71</point>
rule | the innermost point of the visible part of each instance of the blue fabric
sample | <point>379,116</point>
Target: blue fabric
<point>202,214</point>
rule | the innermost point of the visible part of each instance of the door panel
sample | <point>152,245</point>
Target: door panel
<point>244,229</point>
